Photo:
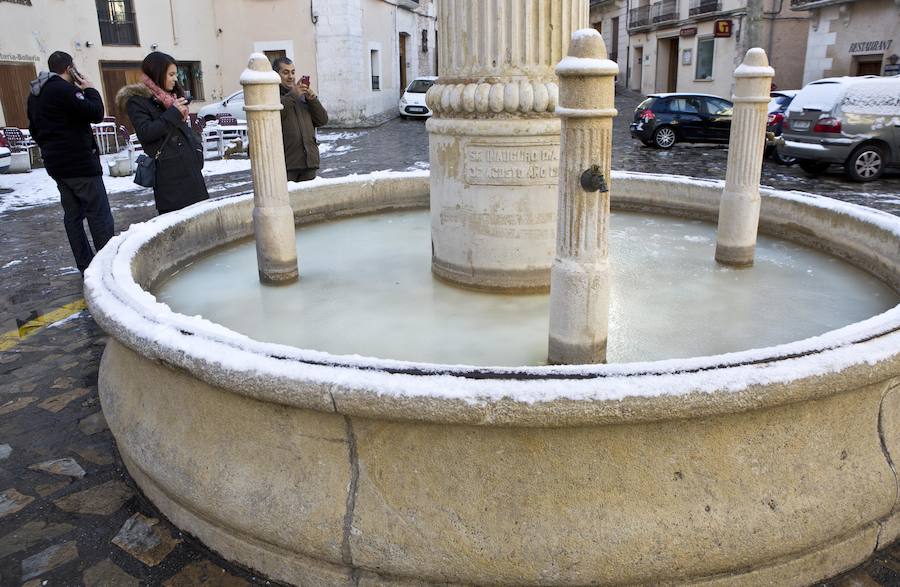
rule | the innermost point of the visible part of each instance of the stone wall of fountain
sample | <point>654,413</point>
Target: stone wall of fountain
<point>764,467</point>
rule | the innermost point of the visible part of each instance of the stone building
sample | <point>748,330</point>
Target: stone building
<point>860,37</point>
<point>695,45</point>
<point>359,53</point>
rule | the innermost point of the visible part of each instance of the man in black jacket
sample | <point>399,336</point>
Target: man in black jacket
<point>61,107</point>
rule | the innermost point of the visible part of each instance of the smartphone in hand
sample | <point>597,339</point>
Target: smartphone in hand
<point>76,75</point>
<point>305,80</point>
<point>188,98</point>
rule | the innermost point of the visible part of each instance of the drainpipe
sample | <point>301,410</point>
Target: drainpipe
<point>627,47</point>
<point>772,16</point>
<point>172,15</point>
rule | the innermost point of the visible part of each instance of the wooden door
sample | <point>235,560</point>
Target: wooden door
<point>868,68</point>
<point>115,76</point>
<point>673,66</point>
<point>402,63</point>
<point>14,88</point>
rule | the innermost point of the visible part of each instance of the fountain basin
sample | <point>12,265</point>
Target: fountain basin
<point>767,466</point>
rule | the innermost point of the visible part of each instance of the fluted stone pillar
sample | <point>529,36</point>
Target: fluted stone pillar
<point>273,219</point>
<point>579,277</point>
<point>739,209</point>
<point>494,140</point>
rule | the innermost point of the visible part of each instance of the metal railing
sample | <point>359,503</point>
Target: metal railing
<point>698,7</point>
<point>638,17</point>
<point>664,11</point>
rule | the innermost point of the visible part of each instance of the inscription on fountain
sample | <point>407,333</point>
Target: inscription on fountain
<point>512,164</point>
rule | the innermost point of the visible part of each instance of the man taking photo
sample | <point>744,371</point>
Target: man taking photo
<point>61,107</point>
<point>301,115</point>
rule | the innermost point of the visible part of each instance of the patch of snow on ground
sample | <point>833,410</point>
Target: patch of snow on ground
<point>11,263</point>
<point>36,188</point>
<point>74,316</point>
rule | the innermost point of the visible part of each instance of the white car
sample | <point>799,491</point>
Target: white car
<point>412,103</point>
<point>233,105</point>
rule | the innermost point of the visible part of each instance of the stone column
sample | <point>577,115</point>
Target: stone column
<point>579,277</point>
<point>739,210</point>
<point>494,140</point>
<point>273,219</point>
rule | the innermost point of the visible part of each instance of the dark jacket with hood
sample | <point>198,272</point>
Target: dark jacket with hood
<point>179,181</point>
<point>59,118</point>
<point>299,120</point>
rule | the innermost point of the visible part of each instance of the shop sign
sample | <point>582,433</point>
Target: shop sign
<point>871,46</point>
<point>22,2</point>
<point>18,56</point>
<point>688,31</point>
<point>722,28</point>
<point>892,69</point>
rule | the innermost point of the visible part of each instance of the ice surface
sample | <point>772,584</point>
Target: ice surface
<point>366,288</point>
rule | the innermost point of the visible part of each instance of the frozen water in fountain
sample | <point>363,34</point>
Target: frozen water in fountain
<point>367,289</point>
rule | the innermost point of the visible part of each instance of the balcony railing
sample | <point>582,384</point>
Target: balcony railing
<point>638,17</point>
<point>664,11</point>
<point>698,7</point>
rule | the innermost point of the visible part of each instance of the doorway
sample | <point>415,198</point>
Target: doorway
<point>637,78</point>
<point>667,64</point>
<point>868,65</point>
<point>274,54</point>
<point>116,75</point>
<point>14,88</point>
<point>403,82</point>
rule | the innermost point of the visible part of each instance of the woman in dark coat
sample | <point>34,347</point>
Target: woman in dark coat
<point>158,111</point>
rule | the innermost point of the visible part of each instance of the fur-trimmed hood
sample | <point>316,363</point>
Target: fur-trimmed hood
<point>129,92</point>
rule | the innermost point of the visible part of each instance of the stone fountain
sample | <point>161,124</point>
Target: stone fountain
<point>764,466</point>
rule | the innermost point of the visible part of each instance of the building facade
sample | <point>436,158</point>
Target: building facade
<point>860,37</point>
<point>695,45</point>
<point>359,54</point>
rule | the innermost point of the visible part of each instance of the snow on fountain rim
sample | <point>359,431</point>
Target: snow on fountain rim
<point>268,370</point>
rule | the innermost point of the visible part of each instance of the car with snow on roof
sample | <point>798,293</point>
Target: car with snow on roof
<point>850,121</point>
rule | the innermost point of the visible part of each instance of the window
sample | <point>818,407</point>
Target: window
<point>117,26</point>
<point>420,86</point>
<point>705,53</point>
<point>718,107</point>
<point>684,105</point>
<point>375,63</point>
<point>191,78</point>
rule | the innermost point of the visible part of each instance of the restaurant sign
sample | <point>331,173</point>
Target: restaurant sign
<point>722,28</point>
<point>871,46</point>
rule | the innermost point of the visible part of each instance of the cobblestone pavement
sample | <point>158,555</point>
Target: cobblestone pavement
<point>69,513</point>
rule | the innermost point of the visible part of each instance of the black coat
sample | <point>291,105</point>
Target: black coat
<point>179,181</point>
<point>59,117</point>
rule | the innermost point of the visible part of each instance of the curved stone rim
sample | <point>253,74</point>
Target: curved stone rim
<point>536,396</point>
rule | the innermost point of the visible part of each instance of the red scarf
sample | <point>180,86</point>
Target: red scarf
<point>165,98</point>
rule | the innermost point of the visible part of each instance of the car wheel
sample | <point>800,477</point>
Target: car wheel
<point>777,157</point>
<point>664,137</point>
<point>865,164</point>
<point>813,167</point>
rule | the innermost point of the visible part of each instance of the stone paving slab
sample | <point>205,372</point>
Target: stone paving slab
<point>49,410</point>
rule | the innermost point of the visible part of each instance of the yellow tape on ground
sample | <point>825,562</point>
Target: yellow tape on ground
<point>10,339</point>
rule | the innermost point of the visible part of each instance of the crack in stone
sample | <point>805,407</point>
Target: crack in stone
<point>346,552</point>
<point>890,461</point>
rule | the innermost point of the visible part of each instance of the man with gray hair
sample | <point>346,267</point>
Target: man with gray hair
<point>301,115</point>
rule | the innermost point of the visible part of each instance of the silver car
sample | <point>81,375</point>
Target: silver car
<point>851,121</point>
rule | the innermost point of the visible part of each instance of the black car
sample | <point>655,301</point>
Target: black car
<point>665,119</point>
<point>778,105</point>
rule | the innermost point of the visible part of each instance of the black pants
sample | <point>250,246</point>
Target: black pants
<point>301,174</point>
<point>85,198</point>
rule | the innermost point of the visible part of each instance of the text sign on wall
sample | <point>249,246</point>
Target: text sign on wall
<point>871,46</point>
<point>688,31</point>
<point>722,28</point>
<point>22,2</point>
<point>512,164</point>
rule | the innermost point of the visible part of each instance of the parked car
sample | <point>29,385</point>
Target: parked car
<point>851,121</point>
<point>233,105</point>
<point>665,119</point>
<point>412,102</point>
<point>5,154</point>
<point>778,105</point>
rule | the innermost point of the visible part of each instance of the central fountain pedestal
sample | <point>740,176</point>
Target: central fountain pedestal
<point>494,141</point>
